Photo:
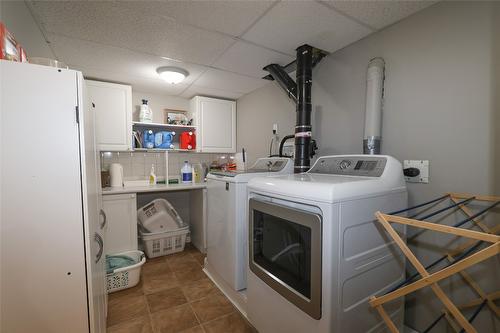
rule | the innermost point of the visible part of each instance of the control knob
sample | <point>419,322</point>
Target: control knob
<point>344,164</point>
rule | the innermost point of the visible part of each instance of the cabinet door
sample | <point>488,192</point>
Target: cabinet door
<point>113,107</point>
<point>217,125</point>
<point>121,214</point>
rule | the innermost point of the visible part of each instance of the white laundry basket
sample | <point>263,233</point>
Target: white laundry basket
<point>161,229</point>
<point>163,243</point>
<point>126,277</point>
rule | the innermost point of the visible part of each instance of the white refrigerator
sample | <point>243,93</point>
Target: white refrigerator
<point>52,274</point>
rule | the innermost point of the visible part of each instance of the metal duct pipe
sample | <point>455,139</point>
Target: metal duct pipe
<point>374,101</point>
<point>304,107</point>
<point>283,79</point>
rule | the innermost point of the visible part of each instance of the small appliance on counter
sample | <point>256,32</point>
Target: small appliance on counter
<point>116,175</point>
<point>188,140</point>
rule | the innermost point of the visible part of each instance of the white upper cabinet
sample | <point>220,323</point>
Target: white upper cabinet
<point>216,121</point>
<point>113,110</point>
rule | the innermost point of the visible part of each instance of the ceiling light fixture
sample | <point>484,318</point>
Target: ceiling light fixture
<point>172,75</point>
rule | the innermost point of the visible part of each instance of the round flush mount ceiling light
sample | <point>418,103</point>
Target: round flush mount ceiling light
<point>172,75</point>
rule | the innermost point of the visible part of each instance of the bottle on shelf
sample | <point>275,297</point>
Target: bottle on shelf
<point>152,175</point>
<point>146,114</point>
<point>186,173</point>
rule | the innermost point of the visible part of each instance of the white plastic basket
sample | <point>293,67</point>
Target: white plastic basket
<point>126,277</point>
<point>163,243</point>
<point>158,216</point>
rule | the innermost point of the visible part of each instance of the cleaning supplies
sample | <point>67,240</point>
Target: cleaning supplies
<point>187,140</point>
<point>152,175</point>
<point>198,176</point>
<point>186,173</point>
<point>148,139</point>
<point>146,114</point>
<point>163,139</point>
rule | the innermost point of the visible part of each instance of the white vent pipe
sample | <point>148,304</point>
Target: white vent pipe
<point>374,101</point>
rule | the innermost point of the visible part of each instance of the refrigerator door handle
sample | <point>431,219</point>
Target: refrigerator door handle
<point>105,219</point>
<point>99,241</point>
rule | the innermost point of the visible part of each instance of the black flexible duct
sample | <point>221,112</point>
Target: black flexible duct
<point>282,143</point>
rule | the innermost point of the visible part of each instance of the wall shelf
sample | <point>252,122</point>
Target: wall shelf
<point>164,150</point>
<point>166,126</point>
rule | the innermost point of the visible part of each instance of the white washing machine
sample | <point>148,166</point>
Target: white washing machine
<point>227,229</point>
<point>316,252</point>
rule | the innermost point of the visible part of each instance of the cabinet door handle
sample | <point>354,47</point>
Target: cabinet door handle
<point>104,218</point>
<point>100,242</point>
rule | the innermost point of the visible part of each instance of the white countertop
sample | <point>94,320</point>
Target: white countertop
<point>153,188</point>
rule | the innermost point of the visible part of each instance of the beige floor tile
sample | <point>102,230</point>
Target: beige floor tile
<point>138,325</point>
<point>183,264</point>
<point>199,257</point>
<point>166,299</point>
<point>134,291</point>
<point>155,268</point>
<point>233,323</point>
<point>190,248</point>
<point>155,283</point>
<point>126,308</point>
<point>212,307</point>
<point>198,289</point>
<point>196,329</point>
<point>189,275</point>
<point>173,320</point>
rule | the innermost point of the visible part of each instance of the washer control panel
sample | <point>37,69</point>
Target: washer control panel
<point>363,165</point>
<point>269,164</point>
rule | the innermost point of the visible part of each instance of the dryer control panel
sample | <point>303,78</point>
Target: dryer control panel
<point>350,165</point>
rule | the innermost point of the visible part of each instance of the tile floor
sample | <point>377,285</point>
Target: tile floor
<point>174,295</point>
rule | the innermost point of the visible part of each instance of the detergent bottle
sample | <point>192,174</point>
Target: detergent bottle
<point>146,114</point>
<point>187,173</point>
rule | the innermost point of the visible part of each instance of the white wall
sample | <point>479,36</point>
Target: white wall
<point>440,91</point>
<point>19,21</point>
<point>158,103</point>
<point>256,114</point>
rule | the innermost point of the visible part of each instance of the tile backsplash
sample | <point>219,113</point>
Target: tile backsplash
<point>137,165</point>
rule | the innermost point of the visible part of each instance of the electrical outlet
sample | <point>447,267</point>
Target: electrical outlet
<point>422,166</point>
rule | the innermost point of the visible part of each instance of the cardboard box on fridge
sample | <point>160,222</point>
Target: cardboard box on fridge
<point>10,49</point>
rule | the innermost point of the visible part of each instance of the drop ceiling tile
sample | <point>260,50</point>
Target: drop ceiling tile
<point>229,17</point>
<point>379,14</point>
<point>113,59</point>
<point>293,23</point>
<point>222,80</point>
<point>113,24</point>
<point>153,86</point>
<point>248,59</point>
<point>210,92</point>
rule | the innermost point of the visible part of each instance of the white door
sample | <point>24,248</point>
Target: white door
<point>94,219</point>
<point>121,213</point>
<point>42,244</point>
<point>113,106</point>
<point>217,125</point>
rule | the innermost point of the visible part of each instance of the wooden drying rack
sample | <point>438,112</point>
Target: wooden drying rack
<point>460,258</point>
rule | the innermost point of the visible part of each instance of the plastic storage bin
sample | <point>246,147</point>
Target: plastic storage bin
<point>161,229</point>
<point>126,277</point>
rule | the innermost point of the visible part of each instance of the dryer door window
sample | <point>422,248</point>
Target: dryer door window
<point>285,252</point>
